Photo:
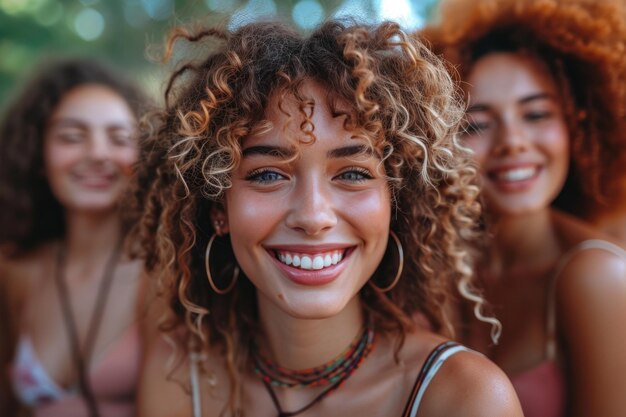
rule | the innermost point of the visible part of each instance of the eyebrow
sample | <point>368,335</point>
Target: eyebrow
<point>266,150</point>
<point>282,152</point>
<point>478,107</point>
<point>69,122</point>
<point>351,150</point>
<point>537,96</point>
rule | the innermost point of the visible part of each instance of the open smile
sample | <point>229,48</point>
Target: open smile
<point>514,178</point>
<point>311,266</point>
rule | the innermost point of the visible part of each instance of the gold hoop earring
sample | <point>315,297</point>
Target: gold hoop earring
<point>396,279</point>
<point>208,270</point>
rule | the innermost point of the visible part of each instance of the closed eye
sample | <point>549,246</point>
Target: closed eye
<point>475,128</point>
<point>537,115</point>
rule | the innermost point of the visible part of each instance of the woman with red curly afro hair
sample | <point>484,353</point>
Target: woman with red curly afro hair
<point>305,199</point>
<point>545,82</point>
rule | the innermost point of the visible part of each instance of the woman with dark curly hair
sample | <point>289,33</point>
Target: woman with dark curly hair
<point>67,148</point>
<point>546,81</point>
<point>305,200</point>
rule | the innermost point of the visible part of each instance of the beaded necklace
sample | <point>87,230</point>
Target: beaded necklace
<point>331,374</point>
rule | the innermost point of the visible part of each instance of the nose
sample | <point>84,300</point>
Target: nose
<point>99,146</point>
<point>512,139</point>
<point>312,209</point>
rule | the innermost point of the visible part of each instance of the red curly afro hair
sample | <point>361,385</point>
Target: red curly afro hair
<point>583,42</point>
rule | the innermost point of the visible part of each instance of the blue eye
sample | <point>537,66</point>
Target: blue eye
<point>355,175</point>
<point>265,177</point>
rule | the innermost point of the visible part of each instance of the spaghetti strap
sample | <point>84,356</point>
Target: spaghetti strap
<point>431,366</point>
<point>194,379</point>
<point>550,349</point>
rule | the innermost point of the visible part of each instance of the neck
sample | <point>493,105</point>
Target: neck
<point>297,344</point>
<point>90,238</point>
<point>529,239</point>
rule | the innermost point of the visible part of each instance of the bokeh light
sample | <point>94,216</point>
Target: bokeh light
<point>308,14</point>
<point>89,24</point>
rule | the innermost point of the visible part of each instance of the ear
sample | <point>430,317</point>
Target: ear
<point>219,221</point>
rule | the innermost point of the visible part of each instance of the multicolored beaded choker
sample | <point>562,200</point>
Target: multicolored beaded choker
<point>339,368</point>
<point>331,374</point>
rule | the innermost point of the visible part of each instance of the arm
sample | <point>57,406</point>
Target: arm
<point>470,385</point>
<point>591,319</point>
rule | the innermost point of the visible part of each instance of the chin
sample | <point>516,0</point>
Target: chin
<point>313,308</point>
<point>516,208</point>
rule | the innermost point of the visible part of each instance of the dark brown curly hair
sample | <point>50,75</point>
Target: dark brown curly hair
<point>583,43</point>
<point>29,212</point>
<point>404,103</point>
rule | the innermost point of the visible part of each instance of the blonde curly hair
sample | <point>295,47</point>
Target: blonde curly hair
<point>583,43</point>
<point>404,103</point>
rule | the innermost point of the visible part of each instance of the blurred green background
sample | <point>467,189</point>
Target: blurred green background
<point>122,31</point>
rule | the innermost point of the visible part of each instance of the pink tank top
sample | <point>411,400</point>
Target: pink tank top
<point>542,390</point>
<point>113,377</point>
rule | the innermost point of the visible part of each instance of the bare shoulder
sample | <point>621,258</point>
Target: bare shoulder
<point>162,391</point>
<point>591,275</point>
<point>469,384</point>
<point>19,272</point>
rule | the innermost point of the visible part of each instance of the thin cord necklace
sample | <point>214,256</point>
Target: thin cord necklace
<point>81,358</point>
<point>331,374</point>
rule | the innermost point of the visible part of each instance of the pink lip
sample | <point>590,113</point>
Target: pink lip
<point>96,181</point>
<point>310,249</point>
<point>513,186</point>
<point>312,277</point>
<point>506,167</point>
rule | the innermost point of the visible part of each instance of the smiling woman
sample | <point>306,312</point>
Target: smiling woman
<point>308,225</point>
<point>67,148</point>
<point>546,82</point>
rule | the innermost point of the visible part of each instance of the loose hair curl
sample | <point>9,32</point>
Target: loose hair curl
<point>583,43</point>
<point>404,103</point>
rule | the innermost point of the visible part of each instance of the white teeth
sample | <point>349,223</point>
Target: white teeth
<point>306,263</point>
<point>519,174</point>
<point>311,262</point>
<point>318,262</point>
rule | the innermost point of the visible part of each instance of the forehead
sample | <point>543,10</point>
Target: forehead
<point>502,75</point>
<point>316,114</point>
<point>93,103</point>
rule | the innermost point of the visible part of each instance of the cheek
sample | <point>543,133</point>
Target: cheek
<point>370,209</point>
<point>479,150</point>
<point>556,142</point>
<point>369,214</point>
<point>58,160</point>
<point>126,158</point>
<point>251,215</point>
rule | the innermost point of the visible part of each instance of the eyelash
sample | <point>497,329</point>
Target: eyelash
<point>473,128</point>
<point>362,172</point>
<point>256,176</point>
<point>538,115</point>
